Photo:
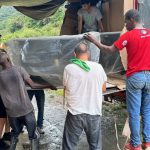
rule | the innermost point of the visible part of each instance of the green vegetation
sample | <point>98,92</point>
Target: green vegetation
<point>16,25</point>
<point>59,92</point>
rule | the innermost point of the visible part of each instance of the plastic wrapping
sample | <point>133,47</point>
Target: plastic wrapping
<point>144,9</point>
<point>111,61</point>
<point>46,57</point>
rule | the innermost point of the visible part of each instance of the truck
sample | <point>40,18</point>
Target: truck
<point>113,21</point>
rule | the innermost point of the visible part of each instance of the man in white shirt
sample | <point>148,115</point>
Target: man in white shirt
<point>89,18</point>
<point>84,81</point>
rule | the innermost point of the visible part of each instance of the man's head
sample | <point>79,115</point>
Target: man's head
<point>81,51</point>
<point>86,4</point>
<point>3,56</point>
<point>132,18</point>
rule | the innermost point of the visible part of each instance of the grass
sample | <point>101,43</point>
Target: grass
<point>59,92</point>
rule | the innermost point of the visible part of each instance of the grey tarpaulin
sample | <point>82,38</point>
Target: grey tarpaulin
<point>46,57</point>
<point>36,9</point>
<point>41,11</point>
<point>27,3</point>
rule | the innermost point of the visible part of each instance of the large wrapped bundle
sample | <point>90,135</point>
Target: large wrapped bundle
<point>111,62</point>
<point>46,57</point>
<point>144,9</point>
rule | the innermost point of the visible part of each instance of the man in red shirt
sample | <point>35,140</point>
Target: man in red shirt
<point>137,43</point>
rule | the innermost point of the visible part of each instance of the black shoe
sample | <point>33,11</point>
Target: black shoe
<point>3,145</point>
<point>7,136</point>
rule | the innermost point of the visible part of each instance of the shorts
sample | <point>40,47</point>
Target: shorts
<point>3,113</point>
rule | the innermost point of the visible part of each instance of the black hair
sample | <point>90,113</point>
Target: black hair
<point>133,14</point>
<point>85,2</point>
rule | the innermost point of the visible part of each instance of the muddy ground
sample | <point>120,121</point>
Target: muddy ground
<point>54,122</point>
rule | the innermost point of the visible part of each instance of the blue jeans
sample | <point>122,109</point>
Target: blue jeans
<point>138,103</point>
<point>40,100</point>
<point>74,126</point>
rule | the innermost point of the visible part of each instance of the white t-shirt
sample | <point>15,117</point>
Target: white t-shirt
<point>90,19</point>
<point>83,92</point>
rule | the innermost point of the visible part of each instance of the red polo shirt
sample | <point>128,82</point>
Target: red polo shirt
<point>137,43</point>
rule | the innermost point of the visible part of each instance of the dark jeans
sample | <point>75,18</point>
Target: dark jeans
<point>74,126</point>
<point>17,123</point>
<point>2,109</point>
<point>40,100</point>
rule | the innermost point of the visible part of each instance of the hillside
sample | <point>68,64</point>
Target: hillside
<point>16,25</point>
<point>6,12</point>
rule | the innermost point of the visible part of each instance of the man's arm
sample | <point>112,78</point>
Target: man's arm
<point>104,87</point>
<point>34,85</point>
<point>101,46</point>
<point>64,91</point>
<point>100,25</point>
<point>80,24</point>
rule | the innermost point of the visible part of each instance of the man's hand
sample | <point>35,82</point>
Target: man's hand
<point>101,46</point>
<point>90,38</point>
<point>52,87</point>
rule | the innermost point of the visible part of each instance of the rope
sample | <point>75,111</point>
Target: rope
<point>118,138</point>
<point>126,142</point>
<point>117,135</point>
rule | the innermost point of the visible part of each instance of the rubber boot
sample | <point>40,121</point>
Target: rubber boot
<point>35,144</point>
<point>13,144</point>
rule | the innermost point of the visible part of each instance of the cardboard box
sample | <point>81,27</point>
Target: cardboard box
<point>69,27</point>
<point>106,16</point>
<point>70,23</point>
<point>113,14</point>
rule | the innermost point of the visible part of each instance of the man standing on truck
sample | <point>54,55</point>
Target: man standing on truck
<point>89,18</point>
<point>137,43</point>
<point>83,82</point>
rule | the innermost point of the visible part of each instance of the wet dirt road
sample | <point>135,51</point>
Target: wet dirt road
<point>54,122</point>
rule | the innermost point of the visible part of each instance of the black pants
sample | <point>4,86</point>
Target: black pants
<point>40,100</point>
<point>17,123</point>
<point>2,109</point>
